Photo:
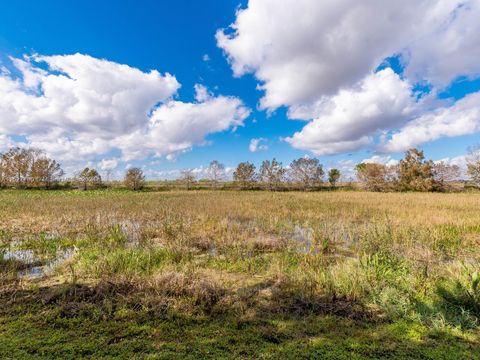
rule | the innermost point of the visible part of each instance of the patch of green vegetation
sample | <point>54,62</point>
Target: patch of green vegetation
<point>248,264</point>
<point>45,244</point>
<point>129,261</point>
<point>46,332</point>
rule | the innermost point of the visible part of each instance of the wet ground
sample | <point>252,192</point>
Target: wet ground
<point>35,265</point>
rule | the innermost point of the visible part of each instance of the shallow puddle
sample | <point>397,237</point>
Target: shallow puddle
<point>303,237</point>
<point>24,256</point>
<point>36,266</point>
<point>212,251</point>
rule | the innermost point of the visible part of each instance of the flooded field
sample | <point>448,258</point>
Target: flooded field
<point>185,274</point>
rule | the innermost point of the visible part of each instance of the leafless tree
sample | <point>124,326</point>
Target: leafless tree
<point>17,163</point>
<point>216,172</point>
<point>45,172</point>
<point>244,174</point>
<point>373,177</point>
<point>444,174</point>
<point>108,173</point>
<point>308,172</point>
<point>272,173</point>
<point>187,177</point>
<point>3,172</point>
<point>473,165</point>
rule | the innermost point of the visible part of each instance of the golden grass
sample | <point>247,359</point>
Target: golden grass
<point>345,253</point>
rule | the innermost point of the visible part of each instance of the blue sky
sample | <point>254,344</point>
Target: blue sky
<point>266,64</point>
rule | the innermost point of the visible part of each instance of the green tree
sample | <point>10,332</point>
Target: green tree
<point>415,173</point>
<point>88,177</point>
<point>333,176</point>
<point>134,179</point>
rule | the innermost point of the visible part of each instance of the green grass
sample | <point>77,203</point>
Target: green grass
<point>133,334</point>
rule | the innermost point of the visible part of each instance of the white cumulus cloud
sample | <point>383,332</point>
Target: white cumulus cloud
<point>177,126</point>
<point>301,50</point>
<point>461,118</point>
<point>320,60</point>
<point>449,50</point>
<point>77,107</point>
<point>348,120</point>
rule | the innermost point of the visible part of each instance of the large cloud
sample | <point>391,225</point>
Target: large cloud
<point>380,101</point>
<point>450,50</point>
<point>461,118</point>
<point>80,93</point>
<point>311,56</point>
<point>177,126</point>
<point>303,49</point>
<point>78,107</point>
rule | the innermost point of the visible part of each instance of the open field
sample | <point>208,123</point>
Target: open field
<point>232,274</point>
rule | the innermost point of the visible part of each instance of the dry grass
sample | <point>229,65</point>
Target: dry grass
<point>354,255</point>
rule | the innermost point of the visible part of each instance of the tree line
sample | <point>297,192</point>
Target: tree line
<point>31,168</point>
<point>415,173</point>
<point>23,167</point>
<point>412,173</point>
<point>89,178</point>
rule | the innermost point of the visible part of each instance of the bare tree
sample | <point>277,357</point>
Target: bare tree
<point>216,172</point>
<point>444,174</point>
<point>308,172</point>
<point>244,174</point>
<point>187,177</point>
<point>272,173</point>
<point>134,179</point>
<point>473,165</point>
<point>333,176</point>
<point>373,177</point>
<point>88,177</point>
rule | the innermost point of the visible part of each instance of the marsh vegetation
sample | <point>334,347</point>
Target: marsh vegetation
<point>190,274</point>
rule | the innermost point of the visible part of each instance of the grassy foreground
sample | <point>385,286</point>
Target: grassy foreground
<point>225,274</point>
